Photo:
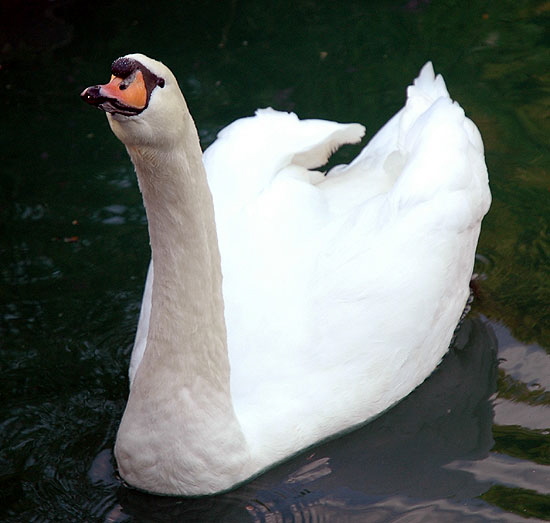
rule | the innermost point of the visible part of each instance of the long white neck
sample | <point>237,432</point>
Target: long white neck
<point>181,390</point>
<point>187,326</point>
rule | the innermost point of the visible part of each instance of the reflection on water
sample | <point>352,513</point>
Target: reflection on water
<point>470,444</point>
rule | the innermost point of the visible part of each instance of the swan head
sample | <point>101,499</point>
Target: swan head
<point>143,102</point>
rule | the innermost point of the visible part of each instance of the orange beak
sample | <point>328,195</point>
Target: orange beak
<point>133,94</point>
<point>127,96</point>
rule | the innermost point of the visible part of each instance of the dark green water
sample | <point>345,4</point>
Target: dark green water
<point>472,443</point>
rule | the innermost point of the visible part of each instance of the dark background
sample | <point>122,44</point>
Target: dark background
<point>472,442</point>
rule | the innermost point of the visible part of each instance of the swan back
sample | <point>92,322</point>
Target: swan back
<point>250,152</point>
<point>347,285</point>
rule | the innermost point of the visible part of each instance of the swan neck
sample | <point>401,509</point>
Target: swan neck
<point>187,327</point>
<point>179,418</point>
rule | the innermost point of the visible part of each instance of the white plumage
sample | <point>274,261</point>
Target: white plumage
<point>341,292</point>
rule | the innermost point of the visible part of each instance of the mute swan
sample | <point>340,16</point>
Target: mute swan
<point>341,292</point>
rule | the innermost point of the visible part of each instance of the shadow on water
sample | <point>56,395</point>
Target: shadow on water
<point>395,465</point>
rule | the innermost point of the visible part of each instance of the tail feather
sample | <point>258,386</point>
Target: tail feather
<point>375,170</point>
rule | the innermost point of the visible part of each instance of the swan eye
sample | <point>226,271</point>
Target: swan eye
<point>160,82</point>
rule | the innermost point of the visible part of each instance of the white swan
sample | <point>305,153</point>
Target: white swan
<point>341,291</point>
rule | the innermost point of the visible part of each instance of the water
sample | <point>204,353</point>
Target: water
<point>472,443</point>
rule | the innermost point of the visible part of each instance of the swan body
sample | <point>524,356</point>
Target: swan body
<point>340,292</point>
